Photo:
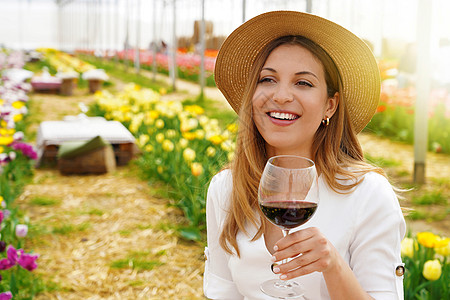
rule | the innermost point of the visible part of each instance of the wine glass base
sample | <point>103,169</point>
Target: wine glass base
<point>282,289</point>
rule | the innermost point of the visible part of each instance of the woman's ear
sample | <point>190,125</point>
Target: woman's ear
<point>332,105</point>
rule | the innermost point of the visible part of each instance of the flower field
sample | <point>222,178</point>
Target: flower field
<point>427,267</point>
<point>182,147</point>
<point>16,168</point>
<point>179,144</point>
<point>395,116</point>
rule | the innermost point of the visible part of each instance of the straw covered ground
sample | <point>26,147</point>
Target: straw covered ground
<point>108,236</point>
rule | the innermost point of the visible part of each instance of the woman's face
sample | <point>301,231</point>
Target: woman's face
<point>291,100</point>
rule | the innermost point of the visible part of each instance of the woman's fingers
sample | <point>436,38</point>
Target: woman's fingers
<point>310,251</point>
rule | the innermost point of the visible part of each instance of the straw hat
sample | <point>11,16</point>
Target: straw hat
<point>356,64</point>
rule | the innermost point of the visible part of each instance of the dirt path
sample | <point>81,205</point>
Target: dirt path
<point>106,236</point>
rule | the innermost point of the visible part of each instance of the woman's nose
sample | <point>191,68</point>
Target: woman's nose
<point>282,95</point>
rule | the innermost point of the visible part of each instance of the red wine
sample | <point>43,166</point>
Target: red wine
<point>288,214</point>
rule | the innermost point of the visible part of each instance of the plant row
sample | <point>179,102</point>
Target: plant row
<point>16,169</point>
<point>180,145</point>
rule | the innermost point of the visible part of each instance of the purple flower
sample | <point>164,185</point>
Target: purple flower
<point>5,296</point>
<point>2,246</point>
<point>13,254</point>
<point>26,149</point>
<point>28,261</point>
<point>6,264</point>
<point>1,216</point>
<point>21,230</point>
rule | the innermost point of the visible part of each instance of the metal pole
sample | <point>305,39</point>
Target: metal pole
<point>243,11</point>
<point>154,41</point>
<point>202,52</point>
<point>126,34</point>
<point>116,34</point>
<point>423,87</point>
<point>173,65</point>
<point>309,6</point>
<point>138,38</point>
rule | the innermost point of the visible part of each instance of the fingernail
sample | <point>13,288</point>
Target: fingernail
<point>283,277</point>
<point>276,269</point>
<point>275,248</point>
<point>273,258</point>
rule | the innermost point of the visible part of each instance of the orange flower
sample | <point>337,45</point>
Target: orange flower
<point>381,108</point>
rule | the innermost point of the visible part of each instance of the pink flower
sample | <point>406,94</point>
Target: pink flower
<point>28,261</point>
<point>5,296</point>
<point>6,264</point>
<point>13,254</point>
<point>21,230</point>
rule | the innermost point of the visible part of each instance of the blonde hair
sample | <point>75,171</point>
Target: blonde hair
<point>336,149</point>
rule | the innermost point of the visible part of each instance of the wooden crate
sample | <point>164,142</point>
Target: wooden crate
<point>122,152</point>
<point>98,161</point>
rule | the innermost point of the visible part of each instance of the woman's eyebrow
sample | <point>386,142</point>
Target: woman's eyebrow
<point>298,73</point>
<point>307,73</point>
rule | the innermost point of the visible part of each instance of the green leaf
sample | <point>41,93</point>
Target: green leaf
<point>189,233</point>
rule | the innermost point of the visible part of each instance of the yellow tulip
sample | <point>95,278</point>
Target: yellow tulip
<point>167,146</point>
<point>432,270</point>
<point>210,151</point>
<point>441,242</point>
<point>196,169</point>
<point>170,133</point>
<point>443,248</point>
<point>143,139</point>
<point>18,118</point>
<point>6,140</point>
<point>216,139</point>
<point>148,148</point>
<point>189,135</point>
<point>162,91</point>
<point>188,154</point>
<point>427,239</point>
<point>200,134</point>
<point>159,123</point>
<point>407,247</point>
<point>230,156</point>
<point>232,127</point>
<point>154,114</point>
<point>18,104</point>
<point>160,169</point>
<point>160,137</point>
<point>183,143</point>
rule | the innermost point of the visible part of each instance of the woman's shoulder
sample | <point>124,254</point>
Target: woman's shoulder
<point>220,185</point>
<point>222,176</point>
<point>377,191</point>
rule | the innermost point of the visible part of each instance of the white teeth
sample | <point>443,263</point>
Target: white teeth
<point>282,116</point>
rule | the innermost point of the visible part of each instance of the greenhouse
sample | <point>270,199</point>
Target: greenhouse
<point>143,147</point>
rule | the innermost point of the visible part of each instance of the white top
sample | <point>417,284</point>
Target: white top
<point>366,227</point>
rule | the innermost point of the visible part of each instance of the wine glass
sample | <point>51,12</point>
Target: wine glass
<point>288,196</point>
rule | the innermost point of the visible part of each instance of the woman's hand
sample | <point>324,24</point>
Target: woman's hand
<point>311,252</point>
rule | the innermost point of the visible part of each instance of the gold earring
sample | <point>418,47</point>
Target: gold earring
<point>326,122</point>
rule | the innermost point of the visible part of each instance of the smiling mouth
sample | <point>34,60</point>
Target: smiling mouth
<point>282,116</point>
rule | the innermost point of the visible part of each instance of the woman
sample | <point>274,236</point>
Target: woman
<point>302,85</point>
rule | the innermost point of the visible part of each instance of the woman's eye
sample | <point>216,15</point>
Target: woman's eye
<point>265,79</point>
<point>305,83</point>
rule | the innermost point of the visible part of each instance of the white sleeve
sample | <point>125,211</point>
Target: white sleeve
<point>217,280</point>
<point>375,245</point>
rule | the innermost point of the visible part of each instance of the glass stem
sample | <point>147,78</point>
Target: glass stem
<point>285,233</point>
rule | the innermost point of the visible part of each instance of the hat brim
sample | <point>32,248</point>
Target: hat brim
<point>356,63</point>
